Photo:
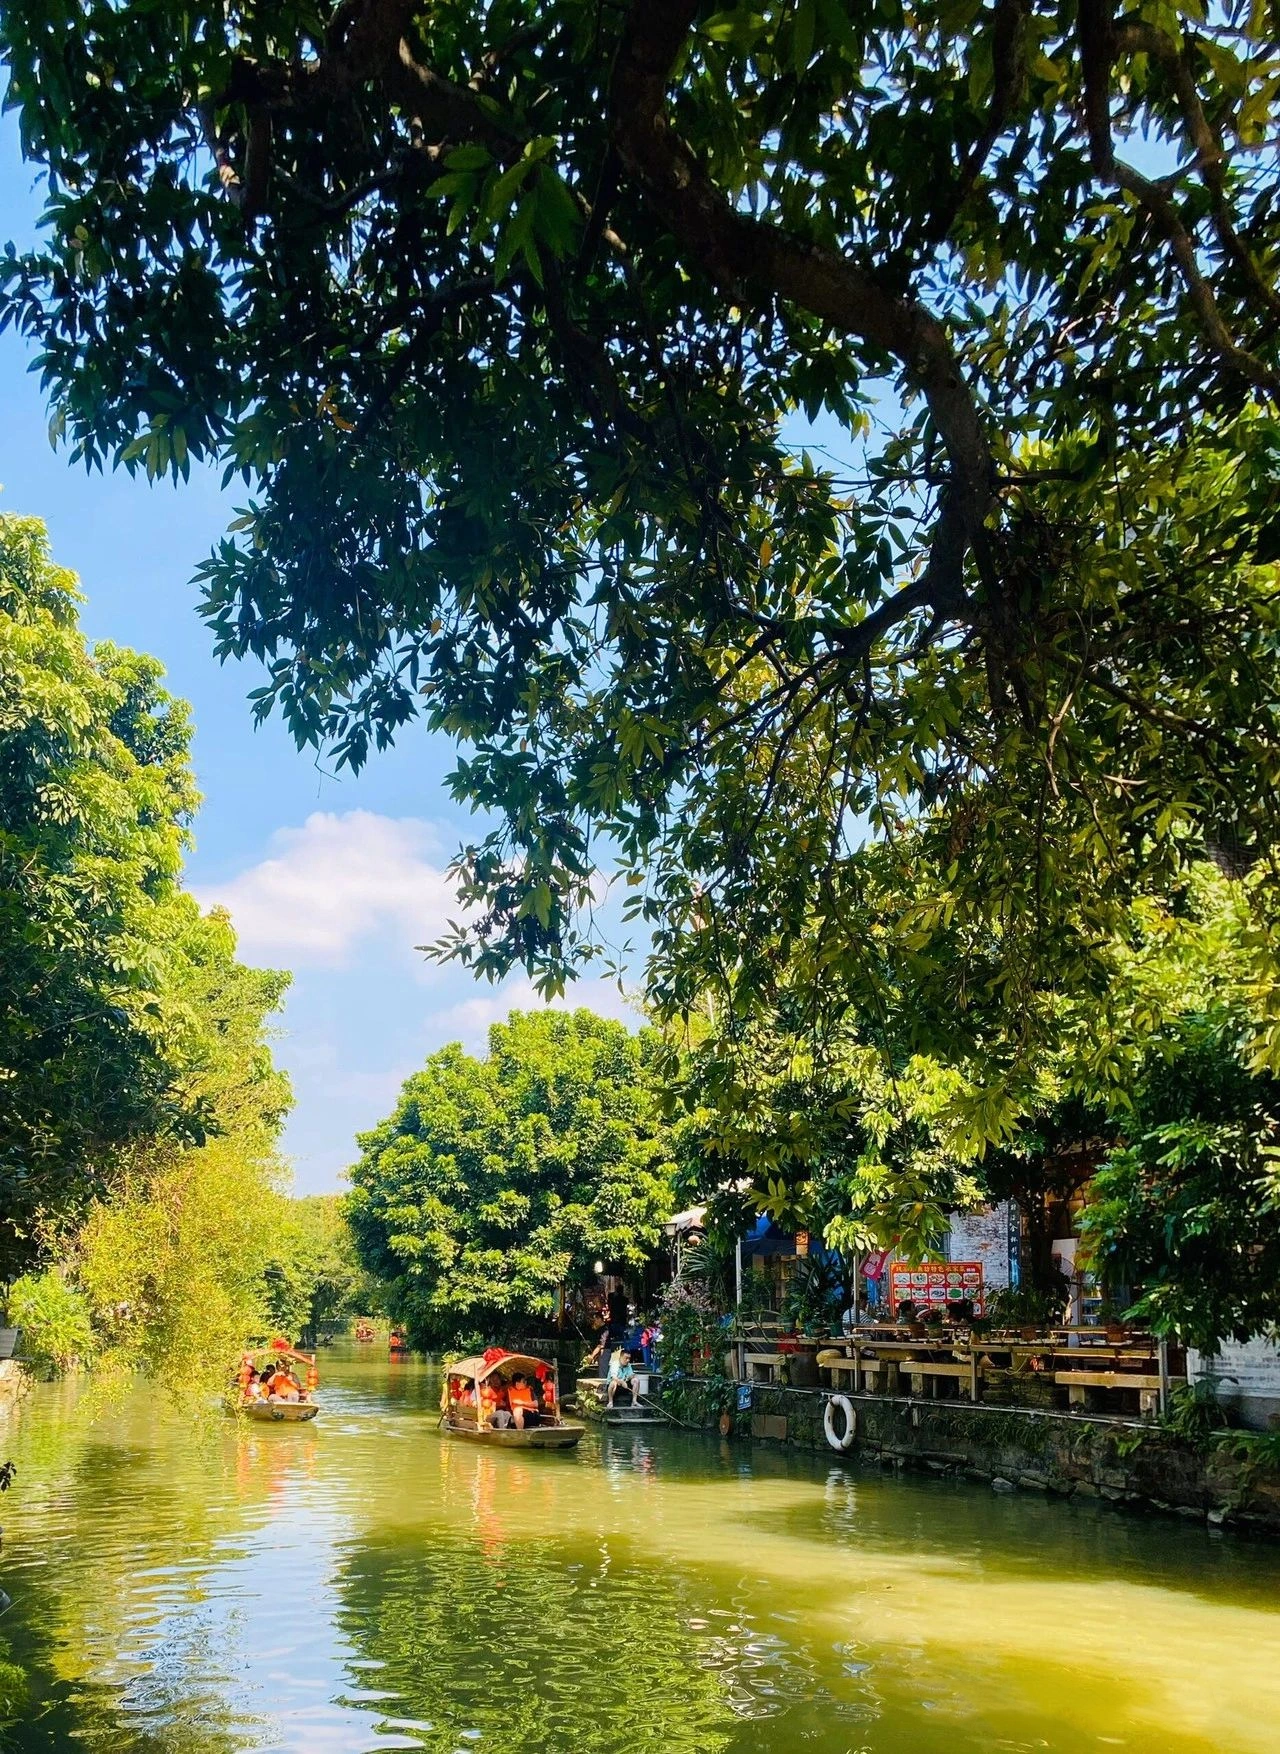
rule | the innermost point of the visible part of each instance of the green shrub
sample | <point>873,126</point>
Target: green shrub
<point>1258,1450</point>
<point>1019,1306</point>
<point>54,1319</point>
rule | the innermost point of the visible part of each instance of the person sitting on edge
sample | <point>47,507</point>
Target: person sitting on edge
<point>620,1375</point>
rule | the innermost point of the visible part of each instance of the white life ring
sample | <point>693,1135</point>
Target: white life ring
<point>850,1422</point>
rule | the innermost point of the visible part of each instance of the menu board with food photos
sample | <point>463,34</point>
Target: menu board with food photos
<point>936,1283</point>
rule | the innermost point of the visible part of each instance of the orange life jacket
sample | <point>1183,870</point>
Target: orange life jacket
<point>522,1396</point>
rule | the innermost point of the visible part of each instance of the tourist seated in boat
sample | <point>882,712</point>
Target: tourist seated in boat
<point>281,1384</point>
<point>525,1401</point>
<point>495,1408</point>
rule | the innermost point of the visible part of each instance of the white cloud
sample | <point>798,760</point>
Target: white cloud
<point>335,882</point>
<point>468,1021</point>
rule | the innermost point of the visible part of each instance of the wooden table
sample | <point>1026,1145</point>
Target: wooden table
<point>878,1361</point>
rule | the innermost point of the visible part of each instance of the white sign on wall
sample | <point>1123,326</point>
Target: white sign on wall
<point>1246,1370</point>
<point>983,1236</point>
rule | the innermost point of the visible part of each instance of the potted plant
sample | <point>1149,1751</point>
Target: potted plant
<point>811,1295</point>
<point>1111,1317</point>
<point>1026,1308</point>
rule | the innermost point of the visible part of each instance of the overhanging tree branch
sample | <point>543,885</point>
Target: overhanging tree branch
<point>1206,143</point>
<point>1165,215</point>
<point>738,251</point>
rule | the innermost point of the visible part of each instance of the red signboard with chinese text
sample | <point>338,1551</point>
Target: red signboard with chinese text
<point>935,1284</point>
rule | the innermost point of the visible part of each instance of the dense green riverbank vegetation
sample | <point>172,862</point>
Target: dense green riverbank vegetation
<point>143,1212</point>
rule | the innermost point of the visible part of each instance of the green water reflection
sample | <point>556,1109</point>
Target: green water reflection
<point>363,1583</point>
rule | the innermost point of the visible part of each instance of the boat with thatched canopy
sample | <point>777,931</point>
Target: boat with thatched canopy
<point>507,1399</point>
<point>294,1402</point>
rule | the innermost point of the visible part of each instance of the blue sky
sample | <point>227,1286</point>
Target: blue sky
<point>334,878</point>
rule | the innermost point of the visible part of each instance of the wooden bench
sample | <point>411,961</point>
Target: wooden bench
<point>841,1368</point>
<point>850,1368</point>
<point>964,1371</point>
<point>1077,1381</point>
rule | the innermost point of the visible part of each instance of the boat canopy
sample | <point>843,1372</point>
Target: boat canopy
<point>478,1370</point>
<point>279,1353</point>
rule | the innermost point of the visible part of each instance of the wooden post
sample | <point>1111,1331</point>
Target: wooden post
<point>1162,1356</point>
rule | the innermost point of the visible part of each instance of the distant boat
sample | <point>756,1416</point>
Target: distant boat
<point>483,1397</point>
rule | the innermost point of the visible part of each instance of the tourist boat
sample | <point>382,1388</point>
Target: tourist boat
<point>274,1411</point>
<point>364,1331</point>
<point>475,1403</point>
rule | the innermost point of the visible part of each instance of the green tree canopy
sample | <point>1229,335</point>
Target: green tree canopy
<point>313,1275</point>
<point>500,314</point>
<point>139,1102</point>
<point>95,794</point>
<point>172,1258</point>
<point>495,1181</point>
<point>1186,1209</point>
<point>1151,1093</point>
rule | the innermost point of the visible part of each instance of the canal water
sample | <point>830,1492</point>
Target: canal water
<point>363,1583</point>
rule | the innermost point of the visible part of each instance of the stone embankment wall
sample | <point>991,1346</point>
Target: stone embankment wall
<point>1129,1466</point>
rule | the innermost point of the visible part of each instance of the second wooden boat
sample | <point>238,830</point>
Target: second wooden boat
<point>506,1399</point>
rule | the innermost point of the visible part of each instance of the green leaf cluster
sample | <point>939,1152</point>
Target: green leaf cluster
<point>507,319</point>
<point>312,1276</point>
<point>139,1101</point>
<point>1186,1209</point>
